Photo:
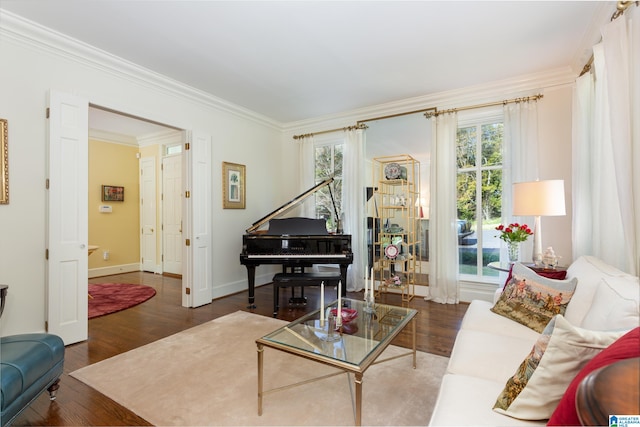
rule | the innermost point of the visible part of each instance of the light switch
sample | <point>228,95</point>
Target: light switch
<point>105,209</point>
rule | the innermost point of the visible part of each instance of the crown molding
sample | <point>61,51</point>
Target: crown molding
<point>168,137</point>
<point>592,35</point>
<point>488,92</point>
<point>112,137</point>
<point>50,42</point>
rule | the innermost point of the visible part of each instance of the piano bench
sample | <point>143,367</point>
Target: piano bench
<point>285,280</point>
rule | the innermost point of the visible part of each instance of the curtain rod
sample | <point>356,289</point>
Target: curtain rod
<point>390,116</point>
<point>357,126</point>
<point>488,104</point>
<point>620,8</point>
<point>360,123</point>
<point>428,113</point>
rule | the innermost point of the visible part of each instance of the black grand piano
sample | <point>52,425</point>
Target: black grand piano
<point>294,243</point>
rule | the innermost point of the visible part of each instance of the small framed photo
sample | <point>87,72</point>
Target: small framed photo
<point>112,193</point>
<point>233,186</point>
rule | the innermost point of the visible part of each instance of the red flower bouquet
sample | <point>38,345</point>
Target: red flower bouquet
<point>514,232</point>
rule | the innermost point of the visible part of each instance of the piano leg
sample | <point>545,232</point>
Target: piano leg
<point>251,277</point>
<point>343,274</point>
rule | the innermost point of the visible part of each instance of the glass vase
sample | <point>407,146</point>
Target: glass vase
<point>513,250</point>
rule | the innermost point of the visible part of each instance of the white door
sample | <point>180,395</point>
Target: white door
<point>197,275</point>
<point>172,214</point>
<point>148,214</point>
<point>67,219</point>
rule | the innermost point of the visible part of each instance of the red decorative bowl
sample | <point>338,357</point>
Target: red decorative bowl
<point>348,314</point>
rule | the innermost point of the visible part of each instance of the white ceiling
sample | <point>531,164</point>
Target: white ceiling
<point>295,60</point>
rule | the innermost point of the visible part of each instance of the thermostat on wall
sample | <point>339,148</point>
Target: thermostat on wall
<point>106,209</point>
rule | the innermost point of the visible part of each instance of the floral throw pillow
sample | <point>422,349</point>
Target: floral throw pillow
<point>533,300</point>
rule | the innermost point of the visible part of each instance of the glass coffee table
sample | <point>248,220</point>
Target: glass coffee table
<point>351,349</point>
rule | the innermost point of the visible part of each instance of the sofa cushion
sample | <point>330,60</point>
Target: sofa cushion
<point>541,380</point>
<point>588,271</point>
<point>479,317</point>
<point>467,401</point>
<point>615,306</point>
<point>533,300</point>
<point>626,347</point>
<point>476,354</point>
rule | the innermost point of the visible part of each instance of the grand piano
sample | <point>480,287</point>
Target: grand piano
<point>294,243</point>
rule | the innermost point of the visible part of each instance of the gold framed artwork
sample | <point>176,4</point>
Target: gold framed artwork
<point>4,162</point>
<point>233,186</point>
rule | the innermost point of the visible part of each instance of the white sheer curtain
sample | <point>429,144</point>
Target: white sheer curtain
<point>520,161</point>
<point>443,235</point>
<point>307,174</point>
<point>353,205</point>
<point>606,156</point>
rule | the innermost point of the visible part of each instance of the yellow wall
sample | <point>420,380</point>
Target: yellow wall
<point>119,231</point>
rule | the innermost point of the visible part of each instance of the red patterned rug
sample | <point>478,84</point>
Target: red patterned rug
<point>107,298</point>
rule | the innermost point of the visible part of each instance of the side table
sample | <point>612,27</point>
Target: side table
<point>543,271</point>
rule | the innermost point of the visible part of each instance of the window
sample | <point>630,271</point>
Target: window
<point>479,194</point>
<point>173,149</point>
<point>328,163</point>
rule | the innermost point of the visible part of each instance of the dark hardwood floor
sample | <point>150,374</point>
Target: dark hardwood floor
<point>79,405</point>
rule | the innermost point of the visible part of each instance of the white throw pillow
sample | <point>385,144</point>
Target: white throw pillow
<point>540,381</point>
<point>588,270</point>
<point>615,306</point>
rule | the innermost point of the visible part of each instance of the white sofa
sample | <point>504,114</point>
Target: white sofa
<point>489,348</point>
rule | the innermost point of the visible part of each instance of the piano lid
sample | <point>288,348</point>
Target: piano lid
<point>282,209</point>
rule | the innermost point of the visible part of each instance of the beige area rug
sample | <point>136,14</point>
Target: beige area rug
<point>207,375</point>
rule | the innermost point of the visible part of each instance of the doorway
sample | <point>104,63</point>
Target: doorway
<point>67,222</point>
<point>158,164</point>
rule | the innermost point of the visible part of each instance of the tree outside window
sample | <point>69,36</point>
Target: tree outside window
<point>328,163</point>
<point>479,196</point>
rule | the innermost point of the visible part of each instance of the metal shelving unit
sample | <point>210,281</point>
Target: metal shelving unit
<point>397,239</point>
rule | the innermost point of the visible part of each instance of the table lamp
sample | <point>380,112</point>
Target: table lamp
<point>538,198</point>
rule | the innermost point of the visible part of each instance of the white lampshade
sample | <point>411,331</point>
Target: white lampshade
<point>539,198</point>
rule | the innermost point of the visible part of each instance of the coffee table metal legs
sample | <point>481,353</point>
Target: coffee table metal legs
<point>358,382</point>
<point>358,376</point>
<point>260,364</point>
<point>413,340</point>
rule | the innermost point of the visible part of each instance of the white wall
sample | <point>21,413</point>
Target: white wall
<point>554,121</point>
<point>33,66</point>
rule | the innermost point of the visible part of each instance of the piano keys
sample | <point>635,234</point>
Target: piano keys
<point>294,243</point>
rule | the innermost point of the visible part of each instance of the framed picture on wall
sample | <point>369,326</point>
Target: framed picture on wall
<point>233,186</point>
<point>112,193</point>
<point>4,162</point>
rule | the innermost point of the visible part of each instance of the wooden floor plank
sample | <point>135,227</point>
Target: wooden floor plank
<point>79,405</point>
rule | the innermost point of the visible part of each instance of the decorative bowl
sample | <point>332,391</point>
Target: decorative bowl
<point>348,314</point>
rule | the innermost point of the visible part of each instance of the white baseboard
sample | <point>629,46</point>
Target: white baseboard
<point>472,290</point>
<point>114,269</point>
<point>240,285</point>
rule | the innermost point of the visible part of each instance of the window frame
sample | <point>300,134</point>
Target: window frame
<point>478,119</point>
